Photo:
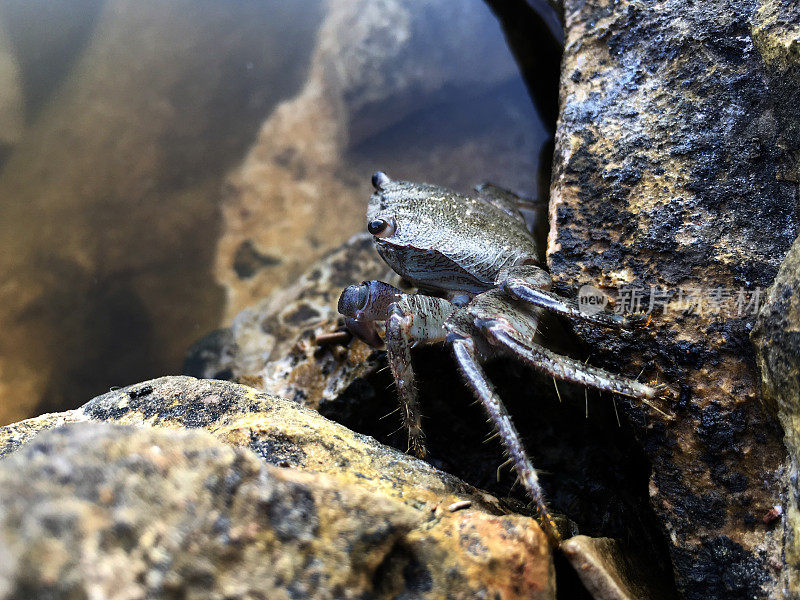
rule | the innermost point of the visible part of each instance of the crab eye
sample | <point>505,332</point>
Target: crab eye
<point>381,227</point>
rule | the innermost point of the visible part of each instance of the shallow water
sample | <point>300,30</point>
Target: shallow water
<point>141,153</point>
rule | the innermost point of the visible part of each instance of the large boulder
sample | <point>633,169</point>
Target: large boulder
<point>271,500</point>
<point>675,176</point>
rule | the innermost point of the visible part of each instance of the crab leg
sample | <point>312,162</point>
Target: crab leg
<point>469,364</point>
<point>532,284</point>
<point>410,319</point>
<point>398,350</point>
<point>565,368</point>
<point>413,319</point>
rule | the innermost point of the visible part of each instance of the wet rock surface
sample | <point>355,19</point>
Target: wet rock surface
<point>777,341</point>
<point>269,501</point>
<point>674,170</point>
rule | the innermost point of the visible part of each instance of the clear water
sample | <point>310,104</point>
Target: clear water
<point>130,138</point>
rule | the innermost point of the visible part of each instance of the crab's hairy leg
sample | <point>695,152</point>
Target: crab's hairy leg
<point>413,319</point>
<point>468,362</point>
<point>398,349</point>
<point>532,284</point>
<point>563,367</point>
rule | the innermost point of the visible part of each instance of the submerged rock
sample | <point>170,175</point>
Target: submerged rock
<point>108,203</point>
<point>275,500</point>
<point>674,174</point>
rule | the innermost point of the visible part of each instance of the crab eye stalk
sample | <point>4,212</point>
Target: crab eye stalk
<point>381,227</point>
<point>380,180</point>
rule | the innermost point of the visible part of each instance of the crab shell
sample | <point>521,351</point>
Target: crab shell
<point>441,240</point>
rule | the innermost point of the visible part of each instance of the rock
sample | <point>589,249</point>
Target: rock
<point>272,344</point>
<point>291,503</point>
<point>138,513</point>
<point>672,171</point>
<point>777,341</point>
<point>608,572</point>
<point>389,87</point>
<point>110,201</point>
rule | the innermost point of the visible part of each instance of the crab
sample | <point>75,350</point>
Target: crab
<point>482,290</point>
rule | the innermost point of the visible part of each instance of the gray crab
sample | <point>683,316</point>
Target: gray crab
<point>482,290</point>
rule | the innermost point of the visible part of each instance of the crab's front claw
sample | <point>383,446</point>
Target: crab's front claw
<point>368,301</point>
<point>365,331</point>
<point>364,304</point>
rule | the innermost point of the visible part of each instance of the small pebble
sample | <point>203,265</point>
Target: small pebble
<point>461,504</point>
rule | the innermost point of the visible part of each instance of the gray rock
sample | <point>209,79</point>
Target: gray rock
<point>672,173</point>
<point>95,510</point>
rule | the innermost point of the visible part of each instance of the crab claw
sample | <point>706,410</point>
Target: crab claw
<point>365,331</point>
<point>368,301</point>
<point>353,303</point>
<point>380,180</point>
<point>365,303</point>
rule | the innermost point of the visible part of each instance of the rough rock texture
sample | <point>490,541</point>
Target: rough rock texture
<point>384,78</point>
<point>108,204</point>
<point>776,34</point>
<point>777,341</point>
<point>272,344</point>
<point>338,515</point>
<point>673,169</point>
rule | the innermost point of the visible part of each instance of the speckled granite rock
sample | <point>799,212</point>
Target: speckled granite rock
<point>340,516</point>
<point>672,170</point>
<point>121,512</point>
<point>777,341</point>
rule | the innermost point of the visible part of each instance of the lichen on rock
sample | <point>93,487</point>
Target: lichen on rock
<point>200,484</point>
<point>673,171</point>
